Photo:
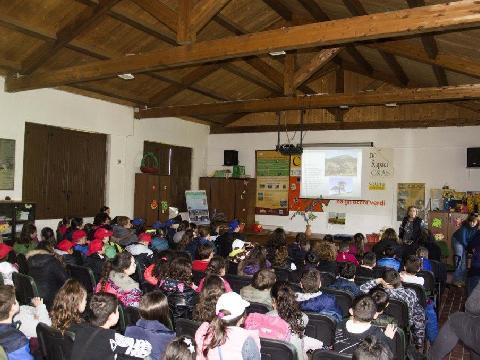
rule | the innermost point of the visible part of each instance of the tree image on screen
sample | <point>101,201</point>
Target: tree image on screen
<point>341,165</point>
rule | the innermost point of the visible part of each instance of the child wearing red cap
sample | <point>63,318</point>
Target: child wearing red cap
<point>79,239</point>
<point>111,248</point>
<point>96,258</point>
<point>6,268</point>
<point>141,246</point>
<point>65,250</point>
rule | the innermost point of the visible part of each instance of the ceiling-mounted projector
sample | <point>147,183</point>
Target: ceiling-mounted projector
<point>290,149</point>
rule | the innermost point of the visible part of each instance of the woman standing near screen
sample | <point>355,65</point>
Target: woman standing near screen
<point>411,227</point>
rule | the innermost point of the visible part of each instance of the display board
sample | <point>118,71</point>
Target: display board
<point>272,171</point>
<point>197,206</point>
<point>7,164</point>
<point>410,194</point>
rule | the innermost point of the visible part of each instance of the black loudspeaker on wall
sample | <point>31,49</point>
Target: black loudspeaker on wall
<point>230,157</point>
<point>473,157</point>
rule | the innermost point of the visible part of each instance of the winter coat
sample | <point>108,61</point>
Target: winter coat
<point>320,303</point>
<point>181,297</point>
<point>193,246</point>
<point>251,294</point>
<point>391,263</point>
<point>95,262</point>
<point>123,287</point>
<point>124,236</point>
<point>416,229</point>
<point>48,273</point>
<point>346,285</point>
<point>157,334</point>
<point>379,248</point>
<point>24,248</point>
<point>343,256</point>
<point>464,235</point>
<point>14,343</point>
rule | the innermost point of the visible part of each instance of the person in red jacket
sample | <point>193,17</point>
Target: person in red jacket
<point>344,254</point>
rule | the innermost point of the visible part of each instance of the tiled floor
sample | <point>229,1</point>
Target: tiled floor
<point>453,300</point>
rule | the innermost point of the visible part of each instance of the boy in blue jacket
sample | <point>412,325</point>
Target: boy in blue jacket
<point>313,300</point>
<point>13,341</point>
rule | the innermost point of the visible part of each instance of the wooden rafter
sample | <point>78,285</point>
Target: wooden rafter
<point>289,74</point>
<point>454,15</point>
<point>84,21</point>
<point>204,11</point>
<point>242,73</point>
<point>400,96</point>
<point>160,11</point>
<point>280,8</point>
<point>186,81</point>
<point>318,61</point>
<point>431,48</point>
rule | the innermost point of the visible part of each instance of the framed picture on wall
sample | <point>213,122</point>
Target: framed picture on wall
<point>7,164</point>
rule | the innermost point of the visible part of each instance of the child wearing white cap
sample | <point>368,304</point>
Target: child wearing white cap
<point>223,338</point>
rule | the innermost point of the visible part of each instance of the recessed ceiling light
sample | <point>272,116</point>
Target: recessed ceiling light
<point>277,53</point>
<point>391,105</point>
<point>343,106</point>
<point>127,76</point>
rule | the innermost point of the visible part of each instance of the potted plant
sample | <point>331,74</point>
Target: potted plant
<point>308,216</point>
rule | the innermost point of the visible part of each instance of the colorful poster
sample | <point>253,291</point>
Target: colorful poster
<point>335,218</point>
<point>7,164</point>
<point>272,172</point>
<point>197,207</point>
<point>409,194</point>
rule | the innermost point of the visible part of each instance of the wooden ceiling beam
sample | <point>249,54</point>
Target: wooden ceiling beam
<point>350,125</point>
<point>204,11</point>
<point>280,8</point>
<point>185,34</point>
<point>400,96</point>
<point>318,61</point>
<point>447,61</point>
<point>431,48</point>
<point>453,15</point>
<point>316,11</point>
<point>133,99</point>
<point>81,23</point>
<point>395,67</point>
<point>186,81</point>
<point>289,74</point>
<point>240,72</point>
<point>359,58</point>
<point>160,11</point>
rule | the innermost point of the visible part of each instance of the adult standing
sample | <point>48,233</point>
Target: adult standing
<point>411,227</point>
<point>461,239</point>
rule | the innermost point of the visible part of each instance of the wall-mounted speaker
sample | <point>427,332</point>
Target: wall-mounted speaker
<point>230,157</point>
<point>473,157</point>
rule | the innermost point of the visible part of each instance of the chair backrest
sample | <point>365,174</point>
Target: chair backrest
<point>360,280</point>
<point>25,288</point>
<point>378,271</point>
<point>321,327</point>
<point>53,344</point>
<point>328,355</point>
<point>22,264</point>
<point>197,276</point>
<point>344,299</point>
<point>232,268</point>
<point>282,274</point>
<point>257,308</point>
<point>429,280</point>
<point>400,344</point>
<point>84,275</point>
<point>277,350</point>
<point>327,278</point>
<point>185,327</point>
<point>399,310</point>
<point>237,282</point>
<point>419,290</point>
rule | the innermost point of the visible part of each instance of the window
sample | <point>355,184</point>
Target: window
<point>63,171</point>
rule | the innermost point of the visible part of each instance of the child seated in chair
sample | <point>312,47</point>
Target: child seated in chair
<point>12,340</point>
<point>204,254</point>
<point>413,264</point>
<point>96,339</point>
<point>389,259</point>
<point>346,280</point>
<point>369,261</point>
<point>370,348</point>
<point>352,332</point>
<point>422,253</point>
<point>344,254</point>
<point>313,300</point>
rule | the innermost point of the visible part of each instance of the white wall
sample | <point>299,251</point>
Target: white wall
<point>435,156</point>
<point>125,137</point>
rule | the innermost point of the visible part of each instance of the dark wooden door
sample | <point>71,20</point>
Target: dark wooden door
<point>147,190</point>
<point>244,193</point>
<point>222,197</point>
<point>165,192</point>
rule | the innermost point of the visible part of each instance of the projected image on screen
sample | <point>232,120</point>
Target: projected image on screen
<point>331,173</point>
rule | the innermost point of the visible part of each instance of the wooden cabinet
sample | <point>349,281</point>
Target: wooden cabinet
<point>13,214</point>
<point>150,192</point>
<point>445,223</point>
<point>234,198</point>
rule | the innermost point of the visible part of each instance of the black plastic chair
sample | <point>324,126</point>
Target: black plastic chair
<point>1,280</point>
<point>237,282</point>
<point>232,268</point>
<point>327,278</point>
<point>197,276</point>
<point>185,327</point>
<point>257,308</point>
<point>378,271</point>
<point>429,281</point>
<point>22,264</point>
<point>25,288</point>
<point>420,291</point>
<point>328,355</point>
<point>277,350</point>
<point>400,344</point>
<point>321,327</point>
<point>398,310</point>
<point>344,299</point>
<point>53,344</point>
<point>84,275</point>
